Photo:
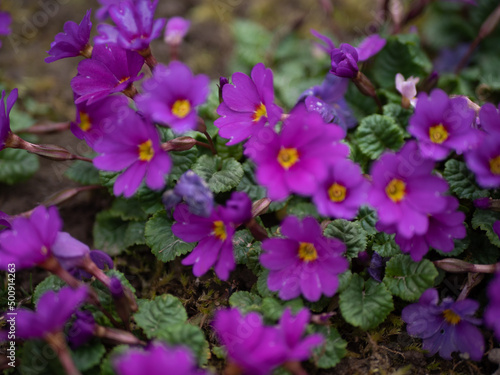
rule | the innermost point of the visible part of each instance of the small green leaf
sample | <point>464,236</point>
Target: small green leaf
<point>221,174</point>
<point>38,358</point>
<point>159,314</point>
<point>189,336</point>
<point>128,209</point>
<point>301,208</point>
<point>367,218</point>
<point>134,234</point>
<point>245,301</point>
<point>344,280</point>
<point>408,279</point>
<point>385,245</point>
<point>83,172</point>
<point>225,152</point>
<point>242,245</point>
<point>261,284</point>
<point>365,304</point>
<point>485,219</point>
<point>51,282</point>
<point>462,181</point>
<point>109,233</point>
<point>87,356</point>
<point>350,233</point>
<point>272,308</point>
<point>17,165</point>
<point>163,243</point>
<point>181,162</point>
<point>332,351</point>
<point>377,133</point>
<point>399,114</point>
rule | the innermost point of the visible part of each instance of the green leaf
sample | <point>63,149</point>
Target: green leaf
<point>365,304</point>
<point>245,301</point>
<point>51,282</point>
<point>399,114</point>
<point>261,284</point>
<point>462,181</point>
<point>252,41</point>
<point>225,152</point>
<point>134,234</point>
<point>350,233</point>
<point>377,133</point>
<point>401,54</point>
<point>163,243</point>
<point>16,166</point>
<point>87,356</point>
<point>332,351</point>
<point>385,245</point>
<point>272,308</point>
<point>128,209</point>
<point>189,336</point>
<point>367,218</point>
<point>408,279</point>
<point>242,244</point>
<point>344,280</point>
<point>221,174</point>
<point>83,172</point>
<point>484,219</point>
<point>106,367</point>
<point>484,251</point>
<point>181,162</point>
<point>109,233</point>
<point>159,314</point>
<point>301,208</point>
<point>38,358</point>
<point>107,179</point>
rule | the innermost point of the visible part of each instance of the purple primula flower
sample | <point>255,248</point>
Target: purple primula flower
<point>253,347</point>
<point>342,193</point>
<point>53,311</point>
<point>74,41</point>
<point>135,27</point>
<point>171,96</point>
<point>134,146</point>
<point>6,220</point>
<point>328,45</point>
<point>304,262</point>
<point>110,69</point>
<point>407,88</point>
<point>29,241</point>
<point>95,121</point>
<point>69,251</point>
<point>299,158</point>
<point>404,192</point>
<point>100,259</point>
<point>5,107</point>
<point>445,328</point>
<point>157,359</point>
<point>82,329</point>
<point>482,203</point>
<point>442,124</point>
<point>293,328</point>
<point>370,46</point>
<point>345,61</point>
<point>176,30</point>
<point>484,161</point>
<point>489,117</point>
<point>214,235</point>
<point>444,227</point>
<point>492,311</point>
<point>239,207</point>
<point>248,105</point>
<point>103,12</point>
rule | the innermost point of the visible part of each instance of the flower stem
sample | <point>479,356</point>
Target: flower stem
<point>58,343</point>
<point>473,279</point>
<point>117,335</point>
<point>149,59</point>
<point>50,127</point>
<point>457,265</point>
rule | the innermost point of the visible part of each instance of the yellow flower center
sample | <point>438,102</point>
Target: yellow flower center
<point>146,151</point>
<point>181,108</point>
<point>495,165</point>
<point>307,252</point>
<point>260,111</point>
<point>122,80</point>
<point>337,192</point>
<point>85,123</point>
<point>287,157</point>
<point>451,317</point>
<point>438,134</point>
<point>220,230</point>
<point>396,190</point>
<point>44,250</point>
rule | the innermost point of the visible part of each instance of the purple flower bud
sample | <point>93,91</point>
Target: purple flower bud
<point>176,30</point>
<point>482,203</point>
<point>345,61</point>
<point>222,81</point>
<point>239,208</point>
<point>4,116</point>
<point>82,329</point>
<point>116,288</point>
<point>195,192</point>
<point>377,267</point>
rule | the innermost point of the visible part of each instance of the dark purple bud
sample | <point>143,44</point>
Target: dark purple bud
<point>5,220</point>
<point>222,81</point>
<point>82,329</point>
<point>116,288</point>
<point>239,208</point>
<point>101,259</point>
<point>377,267</point>
<point>482,203</point>
<point>345,61</point>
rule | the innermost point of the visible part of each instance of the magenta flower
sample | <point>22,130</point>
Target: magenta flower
<point>304,262</point>
<point>176,30</point>
<point>53,311</point>
<point>248,105</point>
<point>489,118</point>
<point>253,347</point>
<point>68,250</point>
<point>445,328</point>
<point>345,61</point>
<point>110,69</point>
<point>370,46</point>
<point>444,227</point>
<point>5,107</point>
<point>342,193</point>
<point>214,235</point>
<point>135,27</point>
<point>484,161</point>
<point>492,311</point>
<point>30,240</point>
<point>298,159</point>
<point>134,146</point>
<point>442,124</point>
<point>103,12</point>
<point>97,120</point>
<point>171,96</point>
<point>157,359</point>
<point>404,192</point>
<point>74,41</point>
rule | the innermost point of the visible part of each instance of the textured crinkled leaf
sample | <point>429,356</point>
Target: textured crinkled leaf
<point>181,162</point>
<point>51,282</point>
<point>242,245</point>
<point>385,245</point>
<point>272,308</point>
<point>186,335</point>
<point>38,358</point>
<point>159,314</point>
<point>163,243</point>
<point>109,233</point>
<point>350,233</point>
<point>107,179</point>
<point>344,280</point>
<point>408,279</point>
<point>83,172</point>
<point>134,234</point>
<point>301,208</point>
<point>484,252</point>
<point>261,284</point>
<point>399,114</point>
<point>462,181</point>
<point>377,133</point>
<point>332,351</point>
<point>221,174</point>
<point>226,152</point>
<point>87,356</point>
<point>245,301</point>
<point>484,219</point>
<point>365,304</point>
<point>103,293</point>
<point>128,209</point>
<point>367,218</point>
<point>17,165</point>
